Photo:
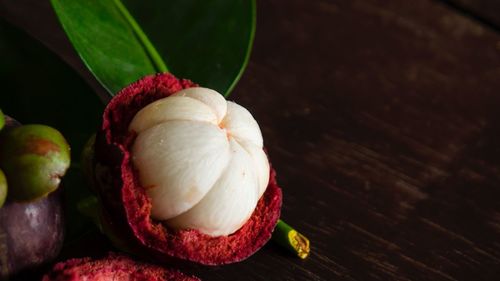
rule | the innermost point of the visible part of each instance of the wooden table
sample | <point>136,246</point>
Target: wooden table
<point>382,118</point>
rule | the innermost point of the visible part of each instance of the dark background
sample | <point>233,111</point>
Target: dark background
<point>382,120</point>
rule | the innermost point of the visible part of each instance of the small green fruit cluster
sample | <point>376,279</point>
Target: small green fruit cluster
<point>33,159</point>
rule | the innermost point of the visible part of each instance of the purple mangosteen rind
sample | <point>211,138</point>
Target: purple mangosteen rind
<point>126,208</point>
<point>113,267</point>
<point>31,233</point>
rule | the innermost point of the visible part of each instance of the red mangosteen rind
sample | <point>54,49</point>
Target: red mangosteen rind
<point>114,267</point>
<point>127,208</point>
<point>31,233</point>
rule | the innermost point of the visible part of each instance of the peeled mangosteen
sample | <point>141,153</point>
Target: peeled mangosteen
<point>114,267</point>
<point>31,232</point>
<point>198,147</point>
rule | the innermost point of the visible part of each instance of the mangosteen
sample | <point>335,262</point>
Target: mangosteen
<point>182,174</point>
<point>114,267</point>
<point>33,159</point>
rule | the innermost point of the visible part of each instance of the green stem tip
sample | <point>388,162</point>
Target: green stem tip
<point>291,239</point>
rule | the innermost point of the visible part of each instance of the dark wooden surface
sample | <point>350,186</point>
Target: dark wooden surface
<point>382,119</point>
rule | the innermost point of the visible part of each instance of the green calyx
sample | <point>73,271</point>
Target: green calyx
<point>34,159</point>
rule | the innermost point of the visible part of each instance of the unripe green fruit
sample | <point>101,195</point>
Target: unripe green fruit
<point>3,188</point>
<point>34,158</point>
<point>2,120</point>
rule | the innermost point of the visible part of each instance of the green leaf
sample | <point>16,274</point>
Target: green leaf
<point>208,42</point>
<point>105,41</point>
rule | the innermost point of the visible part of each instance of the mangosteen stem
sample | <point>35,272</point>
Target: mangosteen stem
<point>291,239</point>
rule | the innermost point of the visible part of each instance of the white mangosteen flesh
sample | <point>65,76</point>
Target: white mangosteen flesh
<point>201,160</point>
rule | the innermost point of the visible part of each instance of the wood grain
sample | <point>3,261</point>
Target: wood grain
<point>381,118</point>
